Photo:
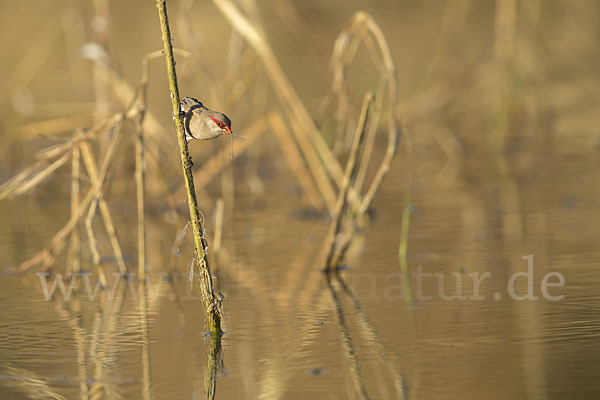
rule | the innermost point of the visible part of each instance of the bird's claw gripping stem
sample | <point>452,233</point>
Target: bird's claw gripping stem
<point>180,114</point>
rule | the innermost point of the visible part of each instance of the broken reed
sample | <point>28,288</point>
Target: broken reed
<point>212,305</point>
<point>335,251</point>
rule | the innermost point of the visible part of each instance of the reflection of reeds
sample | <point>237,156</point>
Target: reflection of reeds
<point>147,377</point>
<point>214,360</point>
<point>371,336</point>
<point>71,314</point>
<point>30,384</point>
<point>360,390</point>
<point>107,323</point>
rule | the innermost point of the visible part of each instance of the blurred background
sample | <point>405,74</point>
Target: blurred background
<point>498,102</point>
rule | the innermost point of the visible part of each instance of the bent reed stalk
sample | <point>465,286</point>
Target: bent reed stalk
<point>334,252</point>
<point>212,305</point>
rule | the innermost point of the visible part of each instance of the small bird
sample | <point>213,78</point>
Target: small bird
<point>202,123</point>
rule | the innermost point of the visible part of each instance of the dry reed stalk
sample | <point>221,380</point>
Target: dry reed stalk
<point>8,188</point>
<point>56,125</point>
<point>370,137</point>
<point>49,261</point>
<point>140,163</point>
<point>98,180</point>
<point>50,110</point>
<point>341,129</point>
<point>293,107</point>
<point>56,244</point>
<point>36,179</point>
<point>362,26</point>
<point>140,189</point>
<point>403,248</point>
<point>212,305</point>
<point>74,254</point>
<point>331,260</point>
<point>294,159</point>
<point>96,260</point>
<point>22,182</point>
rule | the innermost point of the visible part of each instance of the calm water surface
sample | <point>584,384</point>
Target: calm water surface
<point>291,334</point>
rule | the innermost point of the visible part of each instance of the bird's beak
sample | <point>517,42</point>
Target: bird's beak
<point>227,130</point>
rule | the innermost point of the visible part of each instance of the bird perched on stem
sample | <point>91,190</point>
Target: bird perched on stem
<point>203,123</point>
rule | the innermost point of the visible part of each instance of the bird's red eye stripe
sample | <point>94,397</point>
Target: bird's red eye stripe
<point>219,123</point>
<point>226,128</point>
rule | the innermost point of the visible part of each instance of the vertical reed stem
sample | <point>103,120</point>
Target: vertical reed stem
<point>403,248</point>
<point>74,255</point>
<point>212,306</point>
<point>140,188</point>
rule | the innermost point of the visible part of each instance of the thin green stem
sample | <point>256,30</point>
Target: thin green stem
<point>403,249</point>
<point>212,305</point>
